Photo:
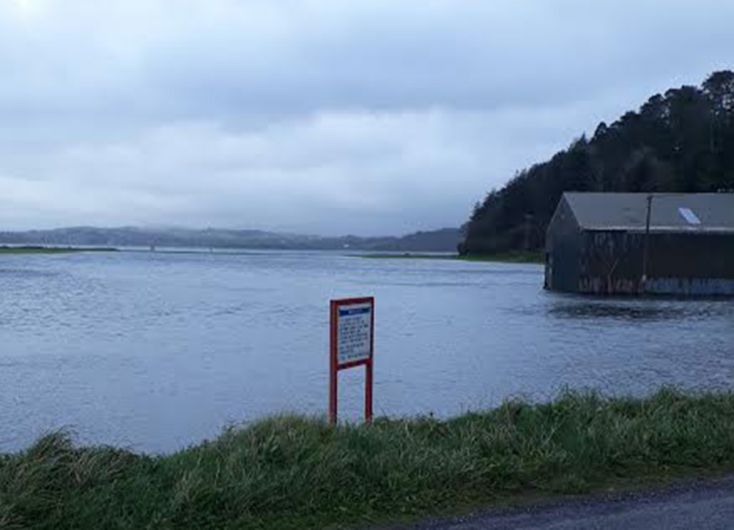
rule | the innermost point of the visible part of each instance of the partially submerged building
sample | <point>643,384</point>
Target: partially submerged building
<point>637,243</point>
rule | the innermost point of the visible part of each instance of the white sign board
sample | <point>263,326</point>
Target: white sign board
<point>354,332</point>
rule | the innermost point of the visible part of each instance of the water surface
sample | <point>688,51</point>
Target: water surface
<point>156,351</point>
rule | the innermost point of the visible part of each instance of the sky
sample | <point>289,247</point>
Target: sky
<point>369,117</point>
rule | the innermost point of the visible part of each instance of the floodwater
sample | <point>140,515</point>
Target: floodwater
<point>155,351</point>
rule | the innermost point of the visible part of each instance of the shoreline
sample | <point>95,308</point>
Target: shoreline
<point>503,257</point>
<point>39,249</point>
<point>298,472</point>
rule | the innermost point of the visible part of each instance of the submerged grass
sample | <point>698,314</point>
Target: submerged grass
<point>515,256</point>
<point>294,472</point>
<point>50,250</point>
<point>505,257</point>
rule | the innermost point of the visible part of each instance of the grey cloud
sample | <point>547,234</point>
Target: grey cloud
<point>285,57</point>
<point>366,117</point>
<point>467,55</point>
<point>388,171</point>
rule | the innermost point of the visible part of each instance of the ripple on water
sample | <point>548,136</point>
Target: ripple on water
<point>161,350</point>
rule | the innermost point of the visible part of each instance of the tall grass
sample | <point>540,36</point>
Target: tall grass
<point>293,472</point>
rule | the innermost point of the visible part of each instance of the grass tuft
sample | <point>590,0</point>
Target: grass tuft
<point>296,472</point>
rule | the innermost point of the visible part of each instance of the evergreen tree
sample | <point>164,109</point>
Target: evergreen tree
<point>682,141</point>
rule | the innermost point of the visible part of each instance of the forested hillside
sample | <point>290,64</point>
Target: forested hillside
<point>680,141</point>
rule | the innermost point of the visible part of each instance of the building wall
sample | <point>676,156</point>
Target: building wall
<point>692,256</point>
<point>562,251</point>
<point>610,262</point>
<point>678,263</point>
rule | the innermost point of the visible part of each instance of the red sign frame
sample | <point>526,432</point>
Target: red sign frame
<point>335,366</point>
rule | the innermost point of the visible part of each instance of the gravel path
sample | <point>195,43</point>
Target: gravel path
<point>703,505</point>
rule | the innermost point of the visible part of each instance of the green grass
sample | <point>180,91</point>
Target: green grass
<point>406,255</point>
<point>50,250</point>
<point>295,472</point>
<point>515,256</point>
<point>504,257</point>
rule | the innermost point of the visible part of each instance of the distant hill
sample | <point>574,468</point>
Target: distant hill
<point>680,141</point>
<point>444,240</point>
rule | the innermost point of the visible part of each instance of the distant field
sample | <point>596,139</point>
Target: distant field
<point>506,257</point>
<point>50,250</point>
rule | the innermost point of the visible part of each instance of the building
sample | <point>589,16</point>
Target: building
<point>637,243</point>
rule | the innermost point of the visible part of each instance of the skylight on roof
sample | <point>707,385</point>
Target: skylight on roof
<point>689,216</point>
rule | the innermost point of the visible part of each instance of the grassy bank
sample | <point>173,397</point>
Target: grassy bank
<point>50,250</point>
<point>292,472</point>
<point>505,257</point>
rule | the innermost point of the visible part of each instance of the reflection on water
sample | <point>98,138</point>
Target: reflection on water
<point>639,309</point>
<point>155,351</point>
<point>637,313</point>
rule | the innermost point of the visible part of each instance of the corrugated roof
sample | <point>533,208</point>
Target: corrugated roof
<point>675,212</point>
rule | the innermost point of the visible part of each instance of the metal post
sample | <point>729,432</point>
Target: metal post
<point>333,369</point>
<point>368,370</point>
<point>368,393</point>
<point>646,248</point>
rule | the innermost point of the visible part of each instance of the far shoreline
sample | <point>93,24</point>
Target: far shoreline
<point>500,257</point>
<point>40,249</point>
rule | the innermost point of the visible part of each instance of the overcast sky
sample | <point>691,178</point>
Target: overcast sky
<point>367,117</point>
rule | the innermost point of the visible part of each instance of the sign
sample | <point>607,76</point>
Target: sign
<point>352,342</point>
<point>354,332</point>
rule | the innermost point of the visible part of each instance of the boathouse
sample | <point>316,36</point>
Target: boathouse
<point>642,243</point>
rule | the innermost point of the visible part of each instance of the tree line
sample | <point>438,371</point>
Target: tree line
<point>679,141</point>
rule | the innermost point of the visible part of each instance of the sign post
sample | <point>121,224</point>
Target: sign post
<point>352,343</point>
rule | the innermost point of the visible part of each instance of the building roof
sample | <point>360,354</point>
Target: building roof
<point>670,212</point>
